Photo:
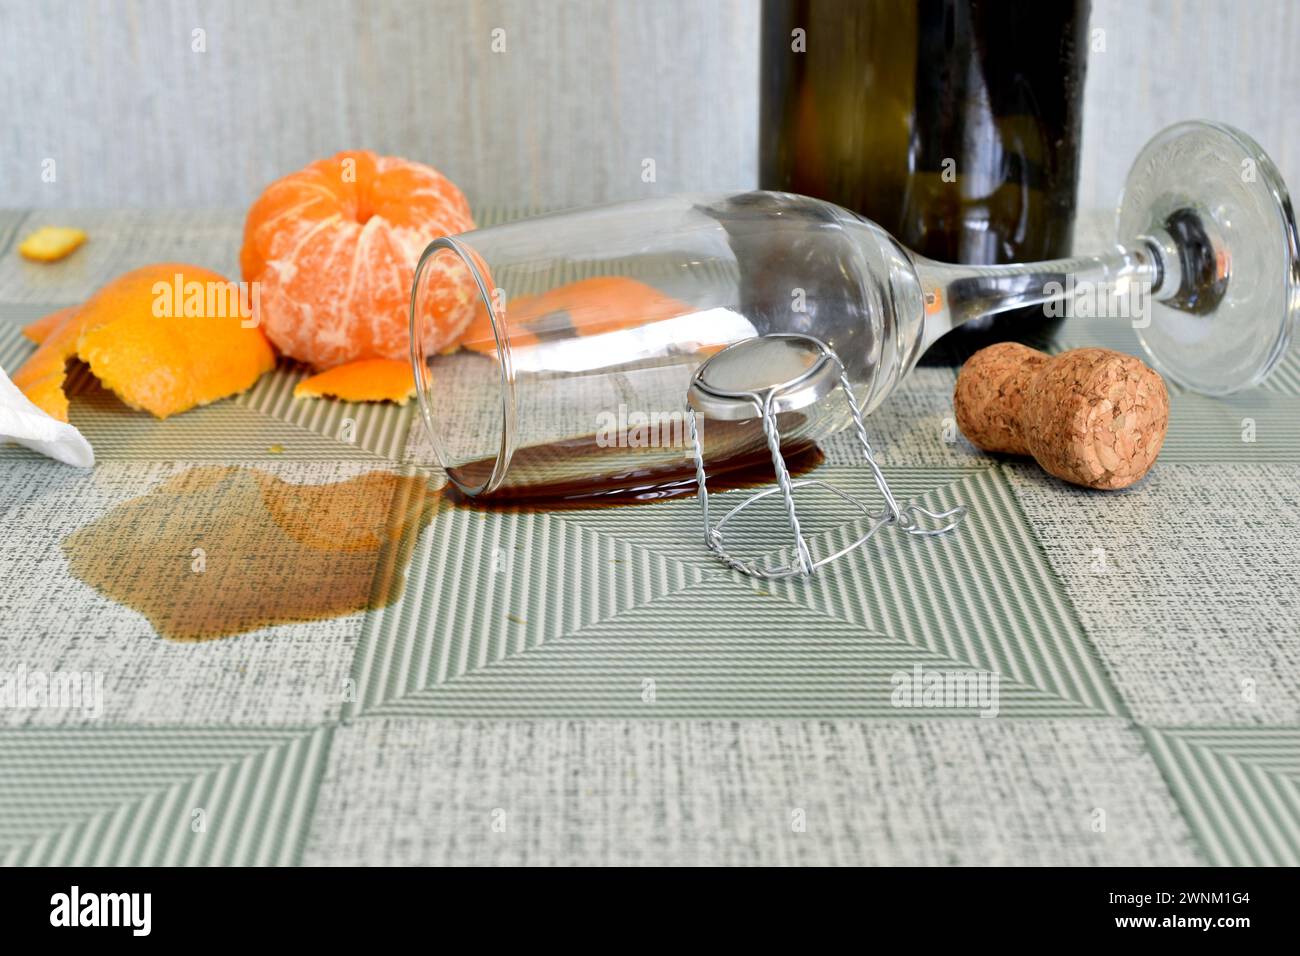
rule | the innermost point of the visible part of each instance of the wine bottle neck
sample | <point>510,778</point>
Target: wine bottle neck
<point>1111,285</point>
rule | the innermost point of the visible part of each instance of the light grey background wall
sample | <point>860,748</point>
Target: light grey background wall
<point>116,93</point>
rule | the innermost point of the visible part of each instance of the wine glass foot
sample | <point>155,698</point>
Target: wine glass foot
<point>1215,208</point>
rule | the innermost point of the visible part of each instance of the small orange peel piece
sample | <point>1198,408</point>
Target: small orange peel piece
<point>51,243</point>
<point>164,338</point>
<point>366,380</point>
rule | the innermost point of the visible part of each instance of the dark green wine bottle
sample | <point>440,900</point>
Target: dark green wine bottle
<point>954,124</point>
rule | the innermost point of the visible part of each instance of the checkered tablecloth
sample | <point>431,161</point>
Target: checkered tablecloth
<point>590,687</point>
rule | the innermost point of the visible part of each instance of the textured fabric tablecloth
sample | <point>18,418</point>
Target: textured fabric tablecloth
<point>590,687</point>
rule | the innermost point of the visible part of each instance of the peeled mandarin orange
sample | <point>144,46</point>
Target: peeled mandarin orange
<point>164,338</point>
<point>334,248</point>
<point>367,380</point>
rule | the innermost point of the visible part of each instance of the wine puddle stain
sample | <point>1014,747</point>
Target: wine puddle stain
<point>221,550</point>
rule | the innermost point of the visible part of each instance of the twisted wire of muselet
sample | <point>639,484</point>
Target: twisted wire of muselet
<point>712,537</point>
<point>893,513</point>
<point>905,517</point>
<point>701,490</point>
<point>770,429</point>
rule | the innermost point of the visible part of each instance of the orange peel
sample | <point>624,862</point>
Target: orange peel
<point>51,243</point>
<point>41,377</point>
<point>164,338</point>
<point>587,307</point>
<point>367,380</point>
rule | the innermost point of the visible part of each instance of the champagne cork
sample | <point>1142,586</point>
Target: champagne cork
<point>990,392</point>
<point>1093,417</point>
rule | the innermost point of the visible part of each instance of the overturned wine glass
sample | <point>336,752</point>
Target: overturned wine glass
<point>643,347</point>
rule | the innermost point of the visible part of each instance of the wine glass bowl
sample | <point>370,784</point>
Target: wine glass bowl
<point>600,316</point>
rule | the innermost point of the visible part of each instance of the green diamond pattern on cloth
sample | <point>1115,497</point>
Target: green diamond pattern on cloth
<point>1240,789</point>
<point>157,797</point>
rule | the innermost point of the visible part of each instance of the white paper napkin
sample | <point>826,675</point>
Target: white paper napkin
<point>24,423</point>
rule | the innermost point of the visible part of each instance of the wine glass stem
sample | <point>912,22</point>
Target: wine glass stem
<point>1115,282</point>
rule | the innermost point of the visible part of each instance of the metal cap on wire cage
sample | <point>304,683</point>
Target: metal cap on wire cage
<point>761,378</point>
